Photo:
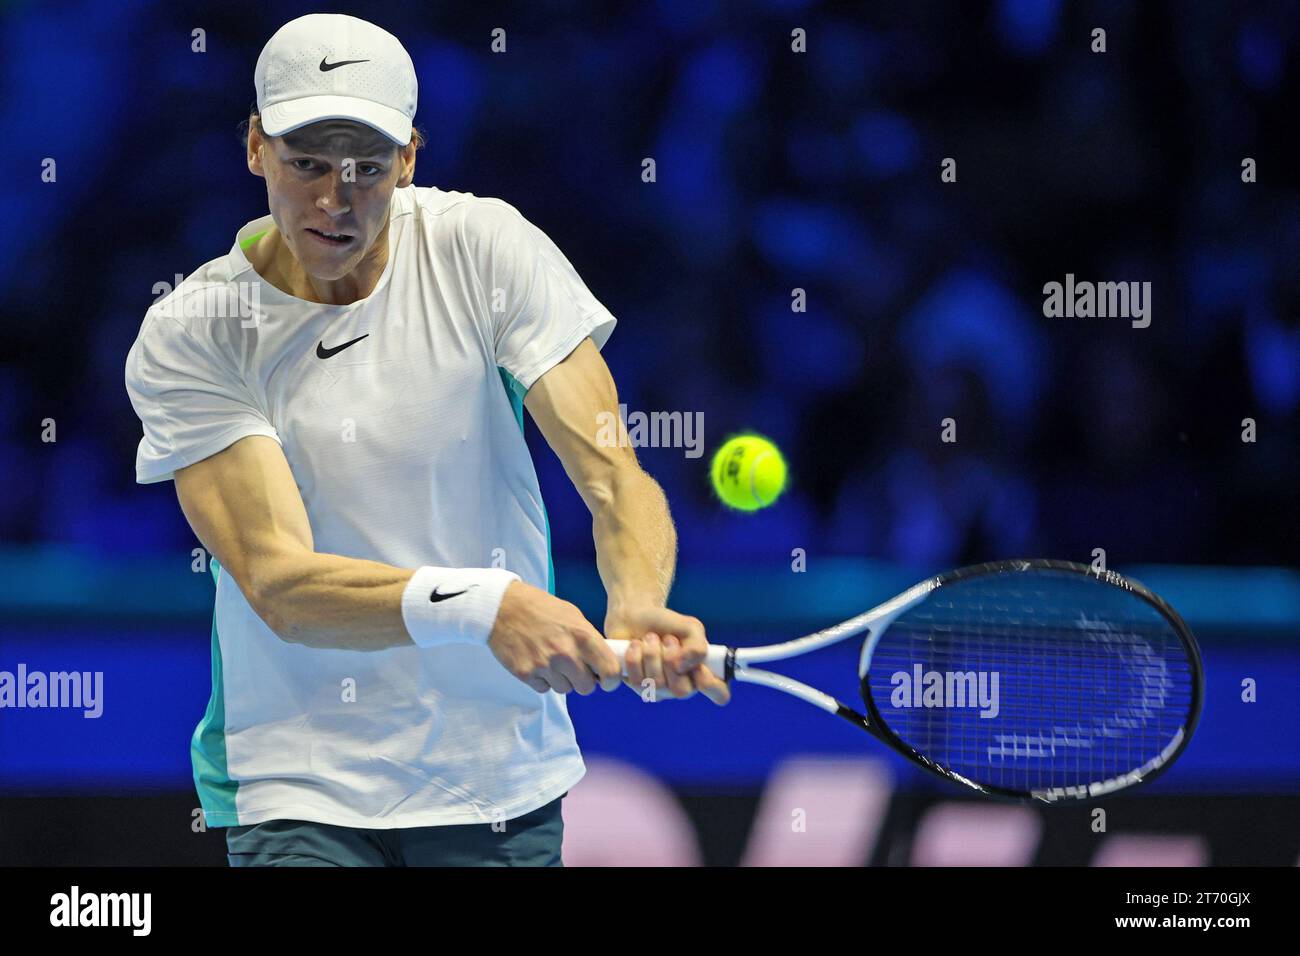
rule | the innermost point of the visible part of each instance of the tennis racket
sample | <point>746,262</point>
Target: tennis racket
<point>1039,679</point>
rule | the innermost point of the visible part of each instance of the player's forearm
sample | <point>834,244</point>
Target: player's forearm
<point>332,601</point>
<point>636,543</point>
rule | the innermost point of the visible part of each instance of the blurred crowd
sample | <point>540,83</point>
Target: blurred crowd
<point>775,171</point>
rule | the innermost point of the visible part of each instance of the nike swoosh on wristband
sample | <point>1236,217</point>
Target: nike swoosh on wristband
<point>323,352</point>
<point>326,67</point>
<point>435,597</point>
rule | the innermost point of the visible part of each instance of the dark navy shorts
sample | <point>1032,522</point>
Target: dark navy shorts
<point>530,840</point>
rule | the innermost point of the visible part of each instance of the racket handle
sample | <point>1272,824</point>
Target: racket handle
<point>716,658</point>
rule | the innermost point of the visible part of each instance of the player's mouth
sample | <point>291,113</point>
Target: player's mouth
<point>335,239</point>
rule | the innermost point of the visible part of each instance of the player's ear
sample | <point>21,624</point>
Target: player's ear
<point>406,160</point>
<point>256,148</point>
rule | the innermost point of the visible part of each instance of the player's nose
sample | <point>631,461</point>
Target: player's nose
<point>335,197</point>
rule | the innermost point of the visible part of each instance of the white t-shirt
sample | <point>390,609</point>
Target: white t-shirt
<point>408,448</point>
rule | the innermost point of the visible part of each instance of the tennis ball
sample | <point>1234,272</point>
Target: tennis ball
<point>748,472</point>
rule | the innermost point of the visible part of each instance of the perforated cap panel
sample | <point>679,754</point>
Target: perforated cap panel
<point>333,66</point>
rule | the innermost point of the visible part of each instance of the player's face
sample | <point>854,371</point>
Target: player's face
<point>329,186</point>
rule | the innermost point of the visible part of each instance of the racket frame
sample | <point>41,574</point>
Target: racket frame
<point>732,663</point>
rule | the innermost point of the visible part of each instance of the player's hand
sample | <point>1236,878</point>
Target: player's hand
<point>547,643</point>
<point>668,649</point>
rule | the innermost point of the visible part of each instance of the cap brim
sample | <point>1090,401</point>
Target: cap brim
<point>280,118</point>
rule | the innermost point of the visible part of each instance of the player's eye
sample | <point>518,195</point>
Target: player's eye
<point>297,164</point>
<point>370,169</point>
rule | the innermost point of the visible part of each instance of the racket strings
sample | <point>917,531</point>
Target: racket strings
<point>1040,684</point>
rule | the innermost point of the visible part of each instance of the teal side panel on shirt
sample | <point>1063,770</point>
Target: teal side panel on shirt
<point>516,392</point>
<point>208,746</point>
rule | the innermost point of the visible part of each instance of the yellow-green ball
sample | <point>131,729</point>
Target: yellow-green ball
<point>748,473</point>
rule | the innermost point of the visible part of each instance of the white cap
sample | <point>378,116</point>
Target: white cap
<point>331,66</point>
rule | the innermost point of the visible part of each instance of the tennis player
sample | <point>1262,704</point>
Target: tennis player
<point>339,401</point>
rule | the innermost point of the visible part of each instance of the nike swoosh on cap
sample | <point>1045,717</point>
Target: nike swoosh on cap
<point>326,67</point>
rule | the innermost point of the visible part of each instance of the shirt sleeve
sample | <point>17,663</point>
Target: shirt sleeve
<point>191,403</point>
<point>539,308</point>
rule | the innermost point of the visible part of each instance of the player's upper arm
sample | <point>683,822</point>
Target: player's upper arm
<point>575,405</point>
<point>245,507</point>
<point>204,427</point>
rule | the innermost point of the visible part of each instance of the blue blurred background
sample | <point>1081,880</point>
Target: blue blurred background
<point>776,171</point>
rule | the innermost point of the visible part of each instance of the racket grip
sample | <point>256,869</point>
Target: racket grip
<point>715,658</point>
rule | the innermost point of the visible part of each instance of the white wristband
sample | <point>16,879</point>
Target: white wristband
<point>443,606</point>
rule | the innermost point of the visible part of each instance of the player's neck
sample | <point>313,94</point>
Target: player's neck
<point>275,262</point>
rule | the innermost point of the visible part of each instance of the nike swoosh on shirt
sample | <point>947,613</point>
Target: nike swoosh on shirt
<point>323,352</point>
<point>326,67</point>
